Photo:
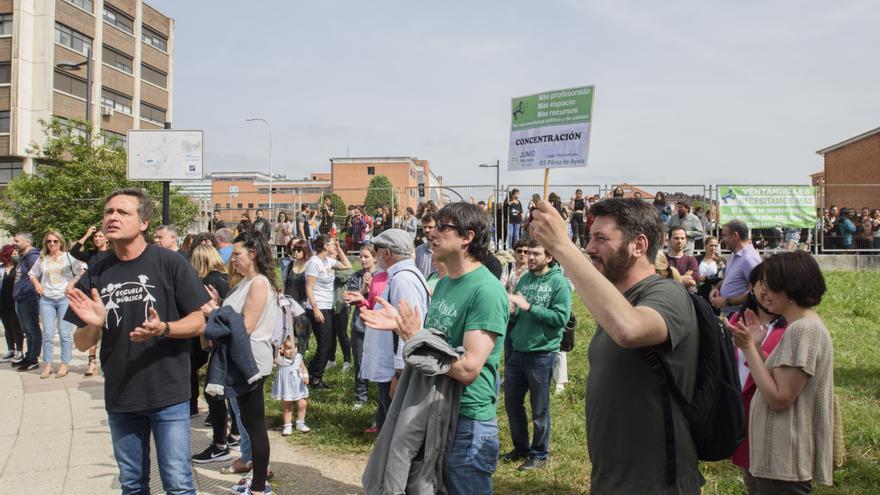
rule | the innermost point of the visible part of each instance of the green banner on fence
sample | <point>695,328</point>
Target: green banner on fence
<point>768,206</point>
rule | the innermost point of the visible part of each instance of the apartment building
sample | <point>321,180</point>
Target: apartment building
<point>351,178</point>
<point>45,71</point>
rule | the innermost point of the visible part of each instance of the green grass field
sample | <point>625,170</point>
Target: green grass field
<point>850,310</point>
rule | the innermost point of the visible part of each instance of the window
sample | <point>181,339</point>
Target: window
<point>75,130</point>
<point>154,76</point>
<point>4,121</point>
<point>118,19</point>
<point>72,39</point>
<point>371,170</point>
<point>227,206</point>
<point>69,84</point>
<point>116,101</point>
<point>10,170</point>
<point>117,59</point>
<point>154,39</point>
<point>6,25</point>
<point>239,205</point>
<point>152,114</point>
<point>113,139</point>
<point>5,72</point>
<point>216,206</point>
<point>83,4</point>
<point>250,205</point>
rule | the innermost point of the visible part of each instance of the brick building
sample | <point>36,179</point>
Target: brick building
<point>233,193</point>
<point>852,171</point>
<point>131,46</point>
<point>352,176</point>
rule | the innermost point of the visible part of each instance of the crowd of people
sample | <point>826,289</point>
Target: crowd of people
<point>440,325</point>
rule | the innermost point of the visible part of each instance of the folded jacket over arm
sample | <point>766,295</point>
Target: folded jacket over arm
<point>232,362</point>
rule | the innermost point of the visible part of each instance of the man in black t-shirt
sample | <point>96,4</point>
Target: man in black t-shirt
<point>142,302</point>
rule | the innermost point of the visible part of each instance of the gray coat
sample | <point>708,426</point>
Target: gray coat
<point>410,454</point>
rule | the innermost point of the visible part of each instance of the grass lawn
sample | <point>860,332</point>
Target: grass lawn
<point>850,310</point>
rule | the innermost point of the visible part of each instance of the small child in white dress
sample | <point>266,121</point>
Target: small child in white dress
<point>290,386</point>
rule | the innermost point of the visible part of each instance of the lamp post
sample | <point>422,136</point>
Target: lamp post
<point>77,66</point>
<point>269,127</point>
<point>497,168</point>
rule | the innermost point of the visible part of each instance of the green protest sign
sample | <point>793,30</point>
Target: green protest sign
<point>768,206</point>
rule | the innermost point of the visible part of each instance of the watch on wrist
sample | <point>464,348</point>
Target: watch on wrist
<point>167,331</point>
<point>727,301</point>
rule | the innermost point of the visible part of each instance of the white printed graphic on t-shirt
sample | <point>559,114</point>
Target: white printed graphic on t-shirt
<point>127,293</point>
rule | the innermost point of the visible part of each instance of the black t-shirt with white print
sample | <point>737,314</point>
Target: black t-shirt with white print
<point>140,376</point>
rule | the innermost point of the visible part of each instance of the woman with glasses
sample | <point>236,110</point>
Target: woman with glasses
<point>52,274</point>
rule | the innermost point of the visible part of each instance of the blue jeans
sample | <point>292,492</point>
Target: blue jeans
<point>474,456</point>
<point>28,311</point>
<point>384,403</point>
<point>52,312</point>
<point>131,446</point>
<point>513,234</point>
<point>529,372</point>
<point>245,439</point>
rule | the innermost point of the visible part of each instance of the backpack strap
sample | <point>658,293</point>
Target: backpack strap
<point>658,370</point>
<point>395,339</point>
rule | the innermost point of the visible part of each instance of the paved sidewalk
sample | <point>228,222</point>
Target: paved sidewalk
<point>54,439</point>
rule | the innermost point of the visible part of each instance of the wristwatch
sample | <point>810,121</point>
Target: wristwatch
<point>727,302</point>
<point>167,331</point>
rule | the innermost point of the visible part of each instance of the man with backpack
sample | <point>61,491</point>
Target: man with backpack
<point>637,313</point>
<point>382,361</point>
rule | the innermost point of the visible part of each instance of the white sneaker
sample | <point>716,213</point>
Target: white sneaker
<point>346,366</point>
<point>560,388</point>
<point>288,430</point>
<point>301,426</point>
<point>11,354</point>
<point>330,364</point>
<point>357,405</point>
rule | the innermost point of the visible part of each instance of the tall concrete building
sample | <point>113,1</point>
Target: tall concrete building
<point>44,73</point>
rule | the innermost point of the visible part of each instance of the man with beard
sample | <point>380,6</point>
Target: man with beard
<point>635,310</point>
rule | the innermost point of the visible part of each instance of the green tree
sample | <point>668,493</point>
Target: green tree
<point>339,209</point>
<point>72,178</point>
<point>378,194</point>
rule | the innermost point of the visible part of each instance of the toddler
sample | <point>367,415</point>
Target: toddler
<point>290,386</point>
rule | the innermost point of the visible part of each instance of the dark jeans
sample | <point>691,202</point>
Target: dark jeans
<point>218,413</point>
<point>326,344</point>
<point>779,487</point>
<point>253,417</point>
<point>357,351</point>
<point>12,330</point>
<point>530,372</point>
<point>28,311</point>
<point>197,359</point>
<point>384,403</point>
<point>340,330</point>
<point>577,229</point>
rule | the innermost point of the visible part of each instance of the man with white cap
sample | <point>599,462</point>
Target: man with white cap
<point>382,359</point>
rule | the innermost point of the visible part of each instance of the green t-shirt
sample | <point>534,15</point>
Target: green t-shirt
<point>474,301</point>
<point>540,328</point>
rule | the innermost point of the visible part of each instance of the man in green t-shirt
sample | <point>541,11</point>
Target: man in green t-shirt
<point>634,309</point>
<point>541,307</point>
<point>470,306</point>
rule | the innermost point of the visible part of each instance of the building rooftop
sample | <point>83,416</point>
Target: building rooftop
<point>849,141</point>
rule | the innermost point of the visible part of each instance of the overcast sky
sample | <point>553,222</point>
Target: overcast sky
<point>686,92</point>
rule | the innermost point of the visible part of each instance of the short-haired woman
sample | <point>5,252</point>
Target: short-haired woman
<point>792,412</point>
<point>51,275</point>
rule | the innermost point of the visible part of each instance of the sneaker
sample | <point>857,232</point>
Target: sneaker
<point>330,364</point>
<point>233,442</point>
<point>28,365</point>
<point>560,388</point>
<point>18,358</point>
<point>514,455</point>
<point>208,421</point>
<point>11,354</point>
<point>372,429</point>
<point>244,486</point>
<point>301,427</point>
<point>532,463</point>
<point>358,405</point>
<point>346,366</point>
<point>212,454</point>
<point>288,429</point>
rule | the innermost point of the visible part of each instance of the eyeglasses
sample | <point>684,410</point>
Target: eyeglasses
<point>443,227</point>
<point>52,241</point>
<point>522,251</point>
<point>297,250</point>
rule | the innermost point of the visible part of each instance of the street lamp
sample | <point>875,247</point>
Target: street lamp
<point>497,168</point>
<point>271,212</point>
<point>77,66</point>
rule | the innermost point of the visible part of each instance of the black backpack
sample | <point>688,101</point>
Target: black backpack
<point>715,416</point>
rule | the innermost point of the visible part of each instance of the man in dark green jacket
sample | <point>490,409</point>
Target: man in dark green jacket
<point>540,308</point>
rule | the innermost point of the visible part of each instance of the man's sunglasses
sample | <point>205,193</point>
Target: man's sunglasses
<point>522,251</point>
<point>443,227</point>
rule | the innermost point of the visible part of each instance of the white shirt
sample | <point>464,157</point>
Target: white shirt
<point>261,337</point>
<point>324,278</point>
<point>708,268</point>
